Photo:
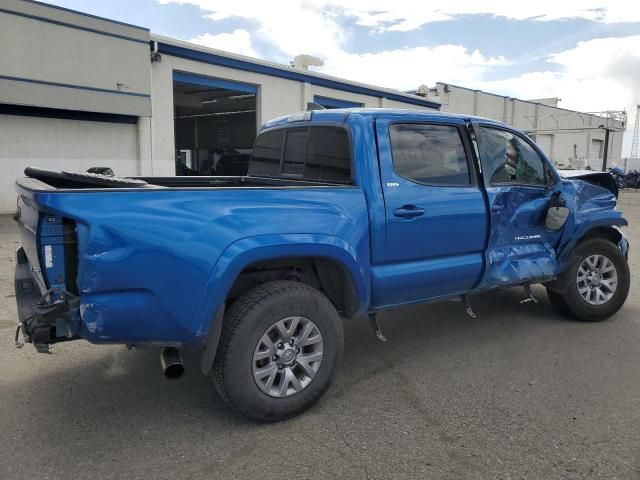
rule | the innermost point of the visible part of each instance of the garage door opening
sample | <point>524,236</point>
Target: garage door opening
<point>215,125</point>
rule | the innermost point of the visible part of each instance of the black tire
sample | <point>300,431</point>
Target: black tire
<point>571,303</point>
<point>557,301</point>
<point>247,321</point>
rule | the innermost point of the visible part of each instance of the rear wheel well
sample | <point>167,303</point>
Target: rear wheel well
<point>324,274</point>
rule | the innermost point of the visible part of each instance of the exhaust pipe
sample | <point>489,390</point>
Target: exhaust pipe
<point>171,362</point>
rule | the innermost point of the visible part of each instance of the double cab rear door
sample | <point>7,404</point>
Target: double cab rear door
<point>449,229</point>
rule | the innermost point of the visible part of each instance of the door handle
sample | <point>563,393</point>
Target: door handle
<point>408,211</point>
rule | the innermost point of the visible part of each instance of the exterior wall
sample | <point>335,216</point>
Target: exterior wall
<point>62,144</point>
<point>60,59</point>
<point>489,106</point>
<point>276,97</point>
<point>386,103</point>
<point>65,60</point>
<point>367,101</point>
<point>542,120</point>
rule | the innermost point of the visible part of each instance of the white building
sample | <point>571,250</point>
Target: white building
<point>78,91</point>
<point>570,139</point>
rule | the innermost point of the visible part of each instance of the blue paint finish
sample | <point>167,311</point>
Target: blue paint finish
<point>71,25</point>
<point>213,82</point>
<point>453,226</point>
<point>591,206</point>
<point>329,102</point>
<point>155,264</point>
<point>249,250</point>
<point>410,282</point>
<point>163,252</point>
<point>214,59</point>
<point>519,248</point>
<point>69,85</point>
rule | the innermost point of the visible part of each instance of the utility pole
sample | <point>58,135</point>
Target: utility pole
<point>606,149</point>
<point>636,135</point>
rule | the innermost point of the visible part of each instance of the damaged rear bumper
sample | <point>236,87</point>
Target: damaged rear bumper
<point>45,316</point>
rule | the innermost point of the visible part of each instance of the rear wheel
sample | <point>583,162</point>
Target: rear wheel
<point>598,282</point>
<point>280,346</point>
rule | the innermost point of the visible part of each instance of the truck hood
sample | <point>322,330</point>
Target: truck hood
<point>602,179</point>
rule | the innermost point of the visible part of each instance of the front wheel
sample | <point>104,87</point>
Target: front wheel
<point>598,282</point>
<point>280,346</point>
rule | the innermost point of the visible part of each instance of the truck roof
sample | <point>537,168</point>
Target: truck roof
<point>340,115</point>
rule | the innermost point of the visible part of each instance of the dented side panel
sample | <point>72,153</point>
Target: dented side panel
<point>521,250</point>
<point>591,206</point>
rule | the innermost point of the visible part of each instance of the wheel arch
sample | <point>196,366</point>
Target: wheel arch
<point>605,229</point>
<point>330,254</point>
<point>604,226</point>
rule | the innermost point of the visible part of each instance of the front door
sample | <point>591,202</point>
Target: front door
<point>436,219</point>
<point>519,183</point>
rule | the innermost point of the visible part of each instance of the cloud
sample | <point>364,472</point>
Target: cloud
<point>408,68</point>
<point>405,16</point>
<point>238,41</point>
<point>595,75</point>
<point>291,27</point>
<point>314,25</point>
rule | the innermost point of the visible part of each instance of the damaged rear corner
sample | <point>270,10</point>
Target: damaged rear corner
<point>46,293</point>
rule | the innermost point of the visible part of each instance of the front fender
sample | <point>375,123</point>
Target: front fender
<point>247,251</point>
<point>606,219</point>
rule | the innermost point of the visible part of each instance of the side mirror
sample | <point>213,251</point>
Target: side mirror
<point>556,217</point>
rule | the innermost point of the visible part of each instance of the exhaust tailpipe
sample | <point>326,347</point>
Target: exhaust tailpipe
<point>171,362</point>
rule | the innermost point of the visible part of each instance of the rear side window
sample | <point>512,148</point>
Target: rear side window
<point>310,153</point>
<point>430,154</point>
<point>265,158</point>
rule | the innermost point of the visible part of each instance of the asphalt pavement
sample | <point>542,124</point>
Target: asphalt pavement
<point>517,393</point>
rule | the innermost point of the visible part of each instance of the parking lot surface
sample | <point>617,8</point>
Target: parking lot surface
<point>517,393</point>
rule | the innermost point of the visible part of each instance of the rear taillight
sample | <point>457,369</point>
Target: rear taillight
<point>59,253</point>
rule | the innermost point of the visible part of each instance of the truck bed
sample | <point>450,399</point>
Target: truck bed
<point>147,253</point>
<point>39,179</point>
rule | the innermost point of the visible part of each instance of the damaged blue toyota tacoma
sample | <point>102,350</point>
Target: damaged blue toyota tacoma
<point>342,214</point>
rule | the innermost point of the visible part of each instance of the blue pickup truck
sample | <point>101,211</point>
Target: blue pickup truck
<point>343,213</point>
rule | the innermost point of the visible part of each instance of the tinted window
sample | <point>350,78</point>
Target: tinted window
<point>295,152</point>
<point>328,155</point>
<point>312,153</point>
<point>507,158</point>
<point>265,158</point>
<point>431,154</point>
